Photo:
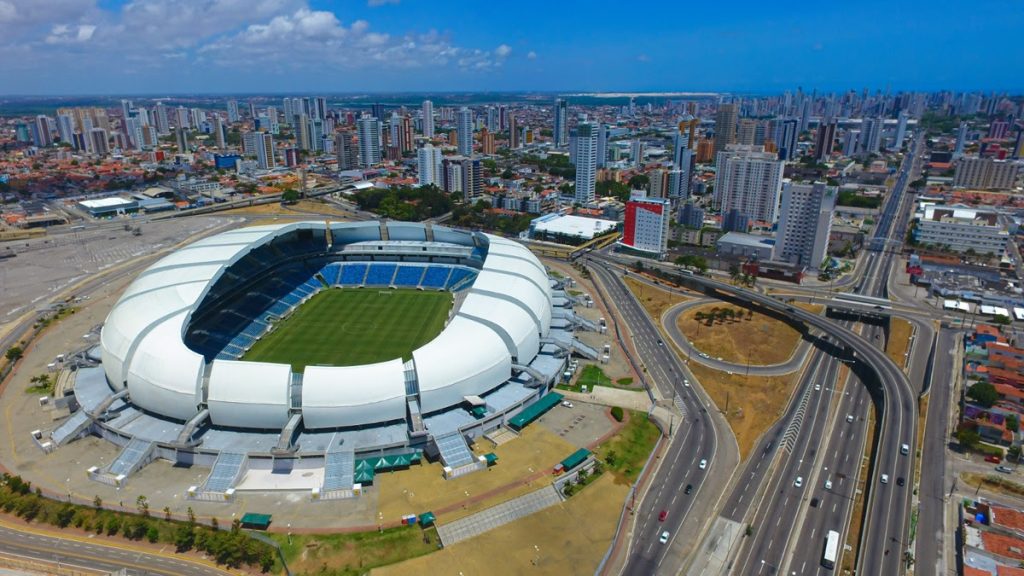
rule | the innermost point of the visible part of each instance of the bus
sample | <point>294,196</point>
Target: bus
<point>828,559</point>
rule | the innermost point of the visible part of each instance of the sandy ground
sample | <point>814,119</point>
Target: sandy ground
<point>523,465</point>
<point>759,340</point>
<point>569,538</point>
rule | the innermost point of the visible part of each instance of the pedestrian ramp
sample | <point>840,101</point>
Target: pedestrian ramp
<point>496,516</point>
<point>71,428</point>
<point>135,455</point>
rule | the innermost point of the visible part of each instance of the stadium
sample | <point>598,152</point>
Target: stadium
<point>338,348</point>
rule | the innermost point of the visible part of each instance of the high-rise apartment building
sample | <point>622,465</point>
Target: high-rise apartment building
<point>513,132</point>
<point>961,141</point>
<point>560,125</point>
<point>586,162</point>
<point>182,139</point>
<point>785,137</point>
<point>233,115</point>
<point>646,226</point>
<point>805,223</point>
<point>428,118</point>
<point>368,131</point>
<point>985,174</point>
<point>265,151</point>
<point>901,130</point>
<point>636,153</point>
<point>870,136</point>
<point>345,151</point>
<point>749,180</point>
<point>461,174</point>
<point>602,145</point>
<point>824,139</point>
<point>99,142</point>
<point>465,131</point>
<point>428,163</point>
<point>725,126</point>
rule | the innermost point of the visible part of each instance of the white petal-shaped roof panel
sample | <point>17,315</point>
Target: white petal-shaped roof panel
<point>249,394</point>
<point>343,396</point>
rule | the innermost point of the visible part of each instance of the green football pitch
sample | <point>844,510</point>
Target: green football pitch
<point>356,326</point>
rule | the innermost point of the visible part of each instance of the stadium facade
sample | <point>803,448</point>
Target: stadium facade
<point>172,383</point>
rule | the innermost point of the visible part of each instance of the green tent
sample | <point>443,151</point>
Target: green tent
<point>256,521</point>
<point>363,476</point>
<point>491,458</point>
<point>427,518</point>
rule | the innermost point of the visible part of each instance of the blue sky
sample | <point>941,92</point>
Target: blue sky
<point>241,46</point>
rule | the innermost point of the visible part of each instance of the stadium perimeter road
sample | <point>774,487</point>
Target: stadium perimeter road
<point>703,434</point>
<point>96,555</point>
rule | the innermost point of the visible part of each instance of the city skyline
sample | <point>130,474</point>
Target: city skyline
<point>229,46</point>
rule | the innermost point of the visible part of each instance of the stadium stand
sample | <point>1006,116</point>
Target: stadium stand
<point>454,450</point>
<point>380,274</point>
<point>353,274</point>
<point>339,469</point>
<point>408,276</point>
<point>134,456</point>
<point>226,470</point>
<point>436,277</point>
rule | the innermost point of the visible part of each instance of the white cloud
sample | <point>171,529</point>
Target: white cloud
<point>531,55</point>
<point>375,3</point>
<point>277,36</point>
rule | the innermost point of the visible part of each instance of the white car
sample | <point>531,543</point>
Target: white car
<point>703,464</point>
<point>849,417</point>
<point>828,484</point>
<point>664,537</point>
<point>817,387</point>
<point>567,404</point>
<point>686,382</point>
<point>799,482</point>
<point>885,478</point>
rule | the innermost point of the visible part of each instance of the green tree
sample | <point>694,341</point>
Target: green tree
<point>1012,423</point>
<point>14,353</point>
<point>289,196</point>
<point>639,182</point>
<point>983,394</point>
<point>617,413</point>
<point>967,438</point>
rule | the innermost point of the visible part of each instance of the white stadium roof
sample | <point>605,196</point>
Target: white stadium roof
<point>506,312</point>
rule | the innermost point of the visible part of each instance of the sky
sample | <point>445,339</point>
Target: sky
<point>86,47</point>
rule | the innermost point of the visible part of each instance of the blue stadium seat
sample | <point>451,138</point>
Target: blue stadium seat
<point>380,274</point>
<point>352,274</point>
<point>408,276</point>
<point>436,277</point>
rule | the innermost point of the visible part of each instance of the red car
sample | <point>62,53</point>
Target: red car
<point>663,515</point>
<point>993,459</point>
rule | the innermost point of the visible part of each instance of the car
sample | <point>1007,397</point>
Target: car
<point>719,358</point>
<point>817,387</point>
<point>660,343</point>
<point>704,355</point>
<point>703,464</point>
<point>849,417</point>
<point>662,515</point>
<point>664,537</point>
<point>1004,469</point>
<point>567,404</point>
<point>814,502</point>
<point>904,449</point>
<point>799,482</point>
<point>689,489</point>
<point>900,481</point>
<point>993,459</point>
<point>686,382</point>
<point>885,478</point>
<point>828,484</point>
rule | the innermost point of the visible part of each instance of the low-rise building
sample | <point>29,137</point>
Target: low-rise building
<point>961,229</point>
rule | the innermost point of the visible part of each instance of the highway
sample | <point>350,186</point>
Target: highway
<point>697,437</point>
<point>935,484</point>
<point>97,556</point>
<point>784,500</point>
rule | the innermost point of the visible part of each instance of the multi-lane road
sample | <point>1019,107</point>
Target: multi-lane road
<point>699,438</point>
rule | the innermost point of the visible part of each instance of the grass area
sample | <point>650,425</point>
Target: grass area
<point>355,326</point>
<point>654,300</point>
<point>1000,483</point>
<point>628,381</point>
<point>568,538</point>
<point>751,403</point>
<point>746,337</point>
<point>592,375</point>
<point>354,553</point>
<point>899,340</point>
<point>625,454</point>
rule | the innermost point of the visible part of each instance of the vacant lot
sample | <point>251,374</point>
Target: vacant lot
<point>354,553</point>
<point>355,326</point>
<point>655,300</point>
<point>569,538</point>
<point>899,340</point>
<point>754,403</point>
<point>738,335</point>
